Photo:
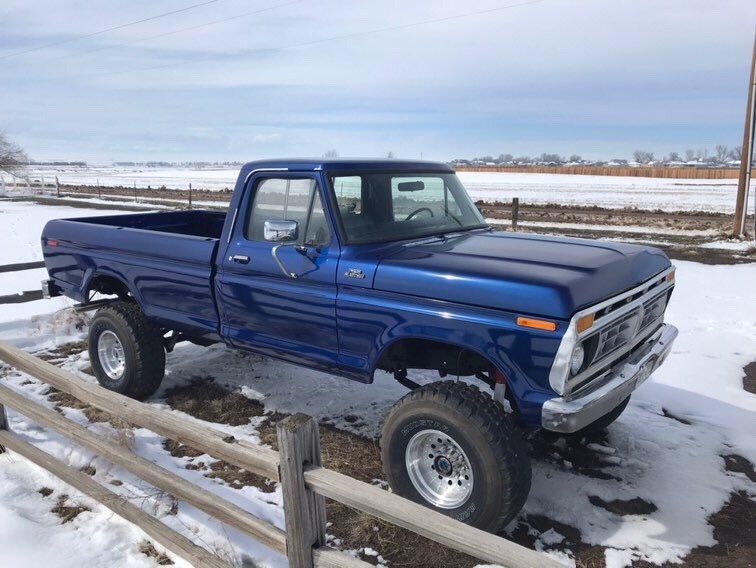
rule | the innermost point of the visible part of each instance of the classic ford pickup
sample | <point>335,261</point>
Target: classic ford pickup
<point>356,266</point>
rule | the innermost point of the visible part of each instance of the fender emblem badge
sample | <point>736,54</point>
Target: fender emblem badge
<point>355,273</point>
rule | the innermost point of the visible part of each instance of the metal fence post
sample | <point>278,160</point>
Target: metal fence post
<point>190,196</point>
<point>99,191</point>
<point>57,186</point>
<point>135,194</point>
<point>515,212</point>
<point>299,445</point>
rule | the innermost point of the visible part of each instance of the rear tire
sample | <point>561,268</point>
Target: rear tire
<point>478,441</point>
<point>126,350</point>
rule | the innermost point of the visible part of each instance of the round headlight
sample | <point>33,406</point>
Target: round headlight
<point>578,356</point>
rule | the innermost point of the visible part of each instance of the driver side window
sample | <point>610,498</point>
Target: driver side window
<point>292,200</point>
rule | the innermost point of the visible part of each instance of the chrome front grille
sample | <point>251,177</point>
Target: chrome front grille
<point>653,309</point>
<point>617,334</point>
<point>621,323</point>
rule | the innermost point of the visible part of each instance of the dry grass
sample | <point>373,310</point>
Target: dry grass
<point>234,476</point>
<point>203,398</point>
<point>89,470</point>
<point>149,550</point>
<point>749,379</point>
<point>739,464</point>
<point>635,506</point>
<point>63,352</point>
<point>62,399</point>
<point>68,512</point>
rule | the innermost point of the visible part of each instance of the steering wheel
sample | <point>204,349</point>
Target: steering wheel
<point>420,210</point>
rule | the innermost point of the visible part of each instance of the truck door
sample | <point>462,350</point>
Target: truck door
<point>276,285</point>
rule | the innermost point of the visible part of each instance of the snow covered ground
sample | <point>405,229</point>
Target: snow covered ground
<point>666,448</point>
<point>604,191</point>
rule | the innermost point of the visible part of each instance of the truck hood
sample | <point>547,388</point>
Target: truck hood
<point>529,274</point>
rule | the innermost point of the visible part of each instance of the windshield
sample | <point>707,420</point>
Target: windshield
<point>389,206</point>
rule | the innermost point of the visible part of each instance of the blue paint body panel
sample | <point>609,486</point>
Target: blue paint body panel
<point>350,302</point>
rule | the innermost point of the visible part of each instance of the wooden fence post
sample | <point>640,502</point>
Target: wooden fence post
<point>299,446</point>
<point>57,186</point>
<point>515,212</point>
<point>135,194</point>
<point>3,424</point>
<point>99,190</point>
<point>190,196</point>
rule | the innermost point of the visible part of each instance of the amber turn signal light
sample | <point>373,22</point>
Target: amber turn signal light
<point>586,322</point>
<point>537,324</point>
<point>671,276</point>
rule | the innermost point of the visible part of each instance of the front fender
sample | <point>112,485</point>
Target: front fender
<point>371,321</point>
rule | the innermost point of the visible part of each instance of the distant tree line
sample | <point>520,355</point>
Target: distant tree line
<point>722,156</point>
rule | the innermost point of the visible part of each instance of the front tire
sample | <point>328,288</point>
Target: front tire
<point>126,350</point>
<point>451,448</point>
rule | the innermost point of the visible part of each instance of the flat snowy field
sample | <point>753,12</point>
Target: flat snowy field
<point>666,448</point>
<point>604,191</point>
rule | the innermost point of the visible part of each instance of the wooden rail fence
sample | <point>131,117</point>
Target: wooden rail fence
<point>305,483</point>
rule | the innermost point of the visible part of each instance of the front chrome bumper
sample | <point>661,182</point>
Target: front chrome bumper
<point>570,415</point>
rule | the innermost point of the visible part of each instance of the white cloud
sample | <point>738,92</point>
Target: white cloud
<point>559,74</point>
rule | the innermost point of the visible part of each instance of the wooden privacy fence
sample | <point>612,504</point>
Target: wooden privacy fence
<point>305,483</point>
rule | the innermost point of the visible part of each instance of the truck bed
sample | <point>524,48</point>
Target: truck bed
<point>167,260</point>
<point>190,223</point>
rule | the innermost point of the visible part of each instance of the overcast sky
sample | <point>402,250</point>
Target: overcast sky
<point>243,79</point>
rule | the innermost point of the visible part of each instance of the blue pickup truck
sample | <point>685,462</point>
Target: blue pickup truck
<point>355,266</point>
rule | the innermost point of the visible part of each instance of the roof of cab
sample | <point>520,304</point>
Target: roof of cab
<point>348,165</point>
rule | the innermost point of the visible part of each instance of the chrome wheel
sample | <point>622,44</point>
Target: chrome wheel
<point>439,469</point>
<point>111,355</point>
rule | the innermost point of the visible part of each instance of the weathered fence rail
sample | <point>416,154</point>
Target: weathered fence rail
<point>297,466</point>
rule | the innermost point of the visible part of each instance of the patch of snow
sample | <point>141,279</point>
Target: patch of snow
<point>605,191</point>
<point>22,224</point>
<point>21,281</point>
<point>618,558</point>
<point>742,246</point>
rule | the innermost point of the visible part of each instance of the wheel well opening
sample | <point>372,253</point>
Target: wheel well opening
<point>108,286</point>
<point>445,358</point>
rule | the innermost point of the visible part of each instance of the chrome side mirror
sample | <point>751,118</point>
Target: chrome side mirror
<point>281,230</point>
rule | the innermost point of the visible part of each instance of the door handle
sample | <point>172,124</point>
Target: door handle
<point>240,258</point>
